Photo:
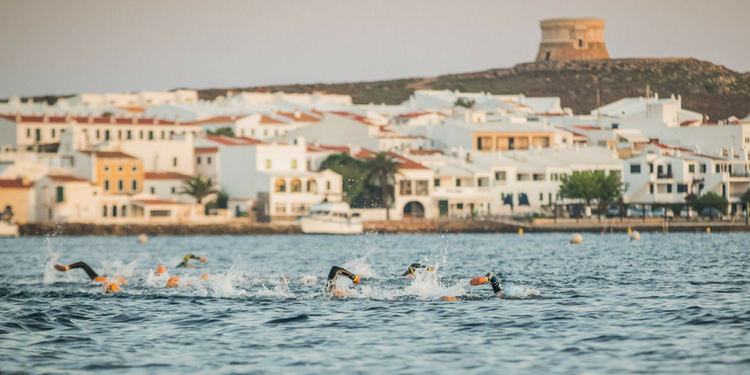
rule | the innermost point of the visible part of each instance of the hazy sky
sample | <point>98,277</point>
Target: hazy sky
<point>62,47</point>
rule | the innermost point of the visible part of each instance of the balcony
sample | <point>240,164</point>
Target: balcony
<point>664,176</point>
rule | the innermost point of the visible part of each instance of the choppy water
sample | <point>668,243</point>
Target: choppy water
<point>675,303</point>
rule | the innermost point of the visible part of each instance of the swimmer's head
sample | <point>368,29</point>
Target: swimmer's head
<point>173,282</point>
<point>356,280</point>
<point>449,299</point>
<point>202,259</point>
<point>160,270</point>
<point>340,292</point>
<point>121,280</point>
<point>111,288</point>
<point>100,279</point>
<point>204,276</point>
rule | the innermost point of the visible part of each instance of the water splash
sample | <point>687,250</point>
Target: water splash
<point>308,280</point>
<point>361,268</point>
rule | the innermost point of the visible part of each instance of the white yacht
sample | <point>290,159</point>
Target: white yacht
<point>330,218</point>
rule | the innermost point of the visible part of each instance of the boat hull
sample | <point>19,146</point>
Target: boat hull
<point>329,225</point>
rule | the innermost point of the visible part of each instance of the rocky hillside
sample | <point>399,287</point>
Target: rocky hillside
<point>705,87</point>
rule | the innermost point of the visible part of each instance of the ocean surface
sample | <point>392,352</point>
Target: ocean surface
<point>667,304</point>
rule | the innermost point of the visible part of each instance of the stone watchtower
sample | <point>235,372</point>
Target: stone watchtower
<point>572,39</point>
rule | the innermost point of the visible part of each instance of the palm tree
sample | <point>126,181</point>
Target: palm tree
<point>381,170</point>
<point>198,187</point>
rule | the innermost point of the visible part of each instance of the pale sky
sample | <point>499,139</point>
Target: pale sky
<point>64,47</point>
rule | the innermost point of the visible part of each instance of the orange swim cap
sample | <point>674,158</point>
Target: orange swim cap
<point>121,280</point>
<point>100,279</point>
<point>202,259</point>
<point>111,288</point>
<point>356,280</point>
<point>160,270</point>
<point>204,276</point>
<point>449,299</point>
<point>173,282</point>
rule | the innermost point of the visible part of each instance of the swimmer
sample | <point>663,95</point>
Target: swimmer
<point>413,267</point>
<point>187,258</point>
<point>110,286</point>
<point>497,288</point>
<point>333,276</point>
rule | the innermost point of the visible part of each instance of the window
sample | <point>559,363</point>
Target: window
<point>280,208</point>
<point>294,163</point>
<point>252,132</point>
<point>54,132</point>
<point>460,206</point>
<point>150,135</point>
<point>422,187</point>
<point>265,132</point>
<point>405,187</point>
<point>296,186</point>
<point>718,168</point>
<point>120,185</point>
<point>104,211</point>
<point>580,42</point>
<point>682,188</point>
<point>120,169</point>
<point>651,188</point>
<point>635,168</point>
<point>541,197</point>
<point>458,182</point>
<point>538,176</point>
<point>141,134</point>
<point>106,138</point>
<point>28,132</point>
<point>153,190</point>
<point>106,185</point>
<point>133,186</point>
<point>124,210</point>
<point>669,188</point>
<point>98,134</point>
<point>268,163</point>
<point>500,176</point>
<point>298,209</point>
<point>129,134</point>
<point>554,177</point>
<point>173,190</point>
<point>328,185</point>
<point>114,211</point>
<point>208,160</point>
<point>650,168</point>
<point>615,125</point>
<point>691,168</point>
<point>60,196</point>
<point>280,186</point>
<point>198,160</point>
<point>134,169</point>
<point>546,56</point>
<point>703,168</point>
<point>160,213</point>
<point>106,169</point>
<point>163,136</point>
<point>312,186</point>
<point>119,134</point>
<point>437,182</point>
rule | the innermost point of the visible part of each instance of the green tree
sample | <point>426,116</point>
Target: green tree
<point>710,200</point>
<point>609,189</point>
<point>107,114</point>
<point>464,102</point>
<point>226,131</point>
<point>198,187</point>
<point>381,170</point>
<point>745,199</point>
<point>592,185</point>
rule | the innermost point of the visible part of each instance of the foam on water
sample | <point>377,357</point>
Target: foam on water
<point>361,267</point>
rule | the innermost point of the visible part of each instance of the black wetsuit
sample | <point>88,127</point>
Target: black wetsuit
<point>496,286</point>
<point>334,274</point>
<point>186,259</point>
<point>85,267</point>
<point>413,267</point>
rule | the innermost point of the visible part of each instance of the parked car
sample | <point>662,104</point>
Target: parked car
<point>687,212</point>
<point>637,212</point>
<point>662,212</point>
<point>613,211</point>
<point>711,213</point>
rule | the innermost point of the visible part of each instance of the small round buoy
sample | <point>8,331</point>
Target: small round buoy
<point>635,236</point>
<point>576,239</point>
<point>142,238</point>
<point>708,230</point>
<point>520,231</point>
<point>630,230</point>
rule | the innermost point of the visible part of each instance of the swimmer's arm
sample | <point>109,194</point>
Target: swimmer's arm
<point>85,267</point>
<point>334,274</point>
<point>497,288</point>
<point>413,268</point>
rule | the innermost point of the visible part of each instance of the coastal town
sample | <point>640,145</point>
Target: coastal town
<point>172,157</point>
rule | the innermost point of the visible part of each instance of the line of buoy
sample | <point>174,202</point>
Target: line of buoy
<point>635,236</point>
<point>576,239</point>
<point>142,238</point>
<point>520,231</point>
<point>708,229</point>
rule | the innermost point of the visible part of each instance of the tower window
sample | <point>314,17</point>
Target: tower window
<point>580,42</point>
<point>547,56</point>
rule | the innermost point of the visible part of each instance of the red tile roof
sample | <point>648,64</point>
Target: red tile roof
<point>355,117</point>
<point>417,114</point>
<point>109,154</point>
<point>14,184</point>
<point>206,150</point>
<point>271,121</point>
<point>689,122</point>
<point>587,127</point>
<point>66,178</point>
<point>232,141</point>
<point>218,120</point>
<point>403,162</point>
<point>322,148</point>
<point>304,117</point>
<point>166,176</point>
<point>133,109</point>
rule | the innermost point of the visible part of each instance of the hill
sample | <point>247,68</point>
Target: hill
<point>705,87</point>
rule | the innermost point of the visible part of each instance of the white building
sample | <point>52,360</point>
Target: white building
<point>167,186</point>
<point>66,198</point>
<point>446,99</point>
<point>140,99</point>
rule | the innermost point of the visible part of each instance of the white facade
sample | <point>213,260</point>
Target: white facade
<point>65,198</point>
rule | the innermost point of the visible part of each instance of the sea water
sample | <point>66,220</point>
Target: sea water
<point>670,303</point>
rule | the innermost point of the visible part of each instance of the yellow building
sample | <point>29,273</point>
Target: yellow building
<point>116,172</point>
<point>17,196</point>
